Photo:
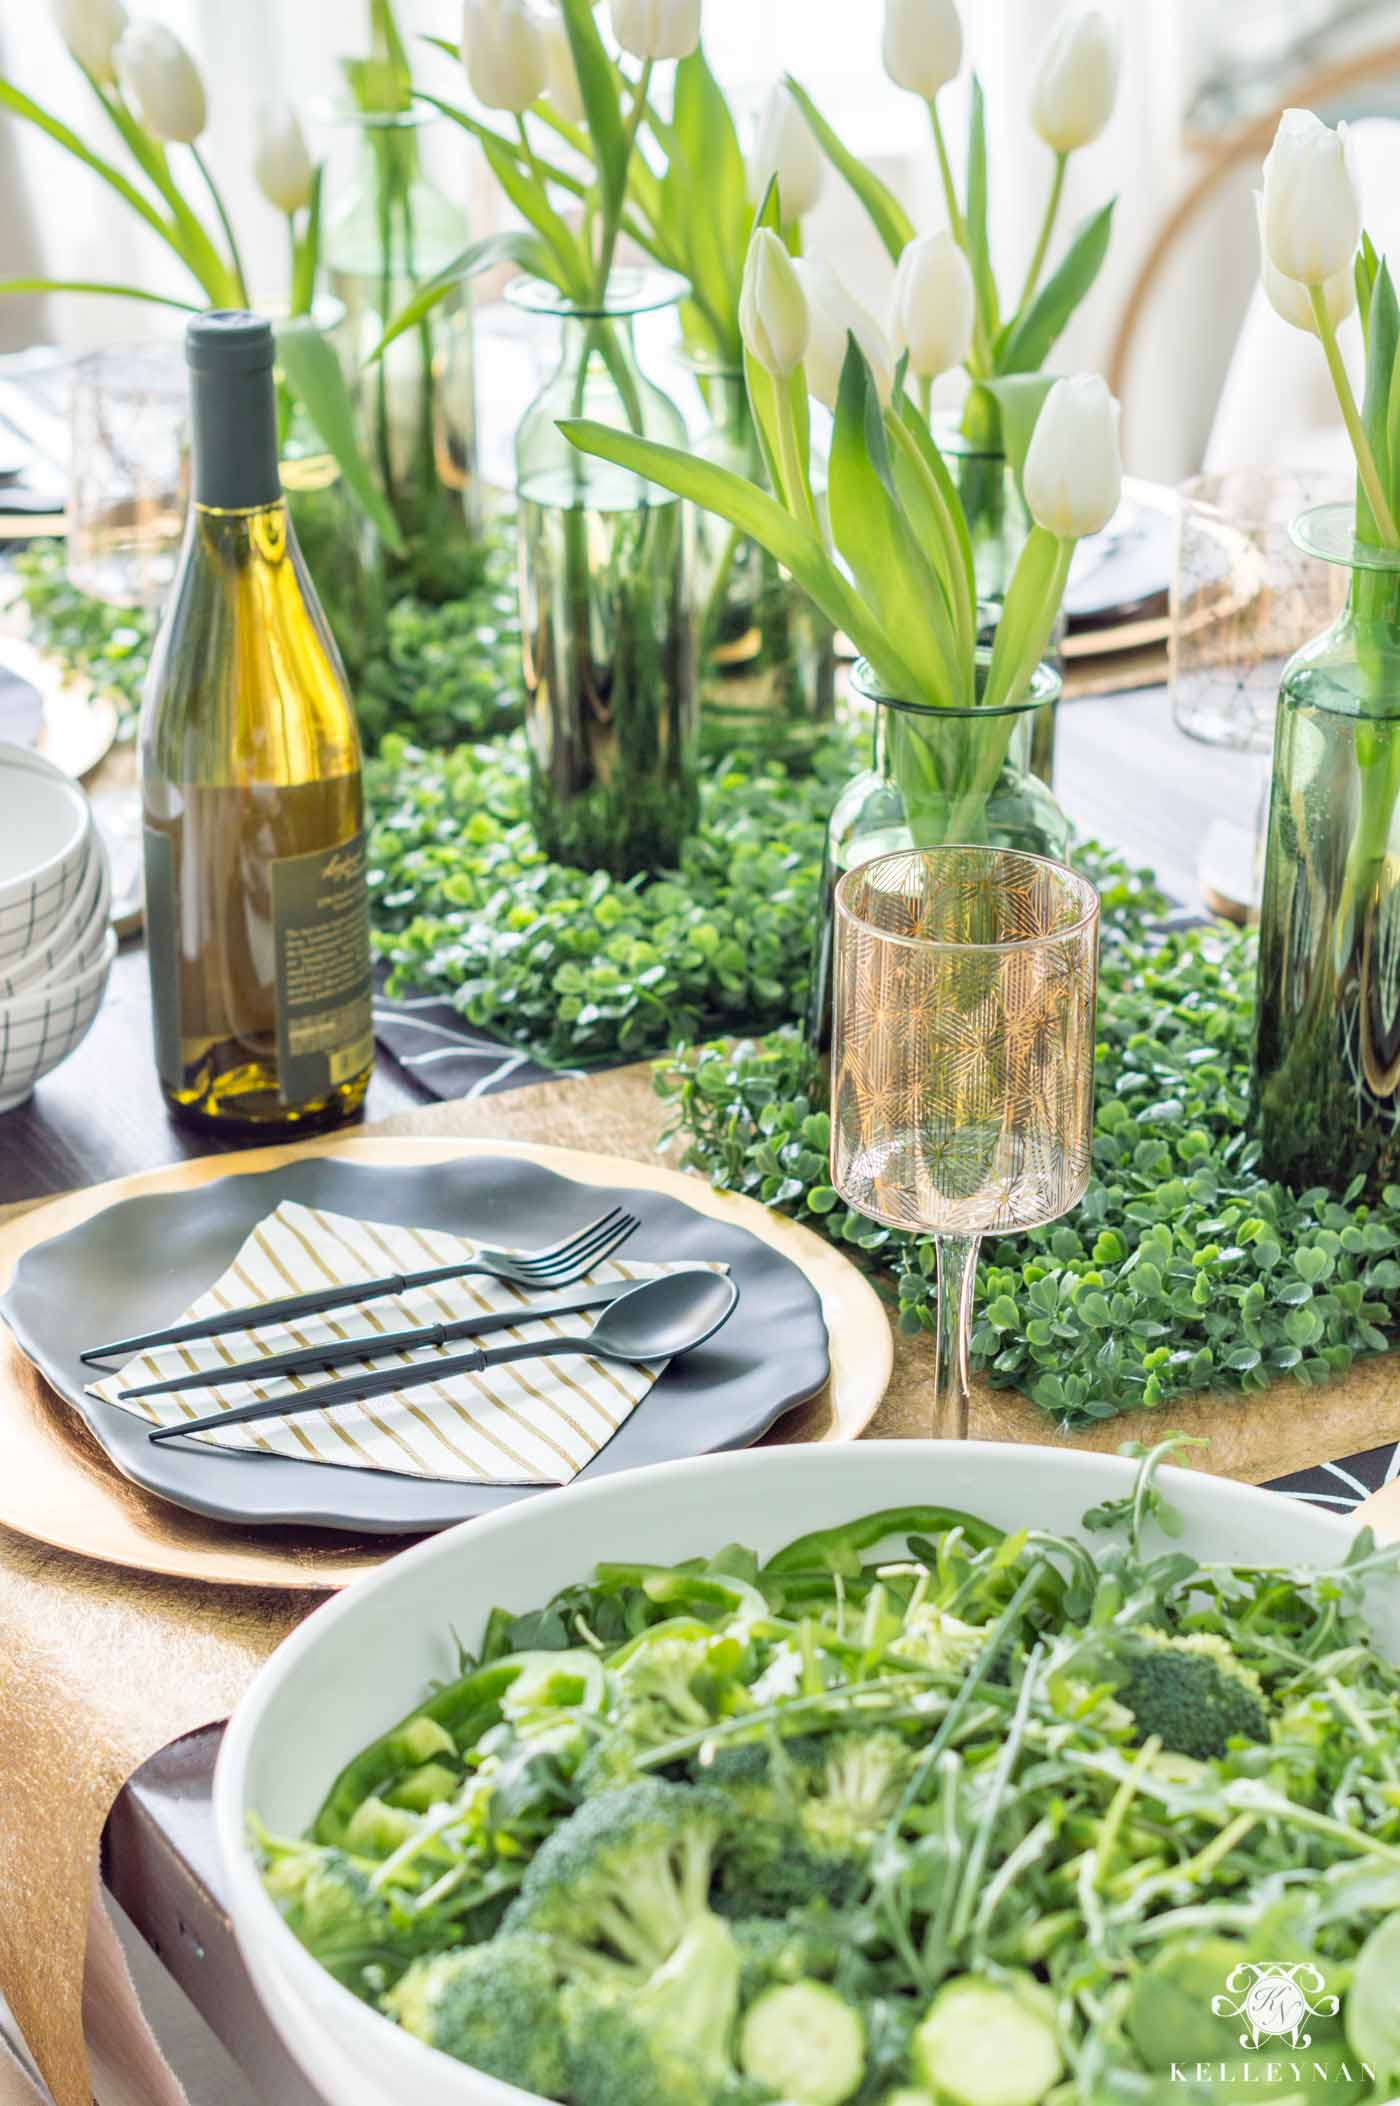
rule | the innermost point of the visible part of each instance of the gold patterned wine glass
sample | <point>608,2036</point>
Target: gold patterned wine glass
<point>963,1060</point>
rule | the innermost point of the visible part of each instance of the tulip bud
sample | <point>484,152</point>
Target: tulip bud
<point>657,29</point>
<point>934,306</point>
<point>1073,479</point>
<point>282,160</point>
<point>161,82</point>
<point>1289,299</point>
<point>835,316</point>
<point>1077,85</point>
<point>90,29</point>
<point>504,54</point>
<point>786,148</point>
<point>563,87</point>
<point>773,317</point>
<point>923,44</point>
<point>1312,213</point>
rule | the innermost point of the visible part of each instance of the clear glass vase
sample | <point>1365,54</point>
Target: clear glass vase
<point>417,404</point>
<point>607,622</point>
<point>342,550</point>
<point>940,778</point>
<point>767,654</point>
<point>1327,1032</point>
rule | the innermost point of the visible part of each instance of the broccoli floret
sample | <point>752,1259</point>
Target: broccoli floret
<point>617,1887</point>
<point>858,1791</point>
<point>495,2006</point>
<point>667,2043</point>
<point>1191,1693</point>
<point>774,1950</point>
<point>327,1900</point>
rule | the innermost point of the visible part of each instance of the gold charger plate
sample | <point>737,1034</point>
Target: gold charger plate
<point>57,1486</point>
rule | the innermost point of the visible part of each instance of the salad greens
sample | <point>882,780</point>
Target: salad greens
<point>914,1813</point>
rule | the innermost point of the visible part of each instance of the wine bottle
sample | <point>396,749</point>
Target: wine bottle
<point>256,907</point>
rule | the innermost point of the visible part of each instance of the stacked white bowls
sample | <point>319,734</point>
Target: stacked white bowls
<point>56,944</point>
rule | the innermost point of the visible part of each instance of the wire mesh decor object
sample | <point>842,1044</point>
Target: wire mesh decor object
<point>1244,598</point>
<point>963,1059</point>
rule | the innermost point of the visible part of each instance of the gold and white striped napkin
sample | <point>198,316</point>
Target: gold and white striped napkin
<point>538,1422</point>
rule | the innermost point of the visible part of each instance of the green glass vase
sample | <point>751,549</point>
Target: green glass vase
<point>607,621</point>
<point>767,654</point>
<point>1327,1033</point>
<point>416,402</point>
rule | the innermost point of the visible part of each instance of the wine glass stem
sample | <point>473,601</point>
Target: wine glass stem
<point>957,1274</point>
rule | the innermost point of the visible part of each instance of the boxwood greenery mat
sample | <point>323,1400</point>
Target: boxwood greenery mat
<point>1182,1270</point>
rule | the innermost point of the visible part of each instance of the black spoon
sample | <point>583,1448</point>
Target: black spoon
<point>658,1320</point>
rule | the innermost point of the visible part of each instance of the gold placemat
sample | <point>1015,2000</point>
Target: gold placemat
<point>99,1669</point>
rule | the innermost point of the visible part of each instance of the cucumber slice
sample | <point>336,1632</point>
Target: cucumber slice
<point>805,2043</point>
<point>988,2043</point>
<point>426,1786</point>
<point>420,1738</point>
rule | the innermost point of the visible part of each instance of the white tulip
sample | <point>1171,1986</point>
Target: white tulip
<point>933,309</point>
<point>657,29</point>
<point>161,82</point>
<point>1073,479</point>
<point>836,315</point>
<point>1290,300</point>
<point>786,148</point>
<point>90,29</point>
<point>504,54</point>
<point>773,317</point>
<point>282,159</point>
<point>1077,84</point>
<point>1312,213</point>
<point>563,87</point>
<point>923,44</point>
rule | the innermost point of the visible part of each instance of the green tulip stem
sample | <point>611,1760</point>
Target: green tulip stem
<point>1356,430</point>
<point>803,505</point>
<point>225,222</point>
<point>612,219</point>
<point>945,170</point>
<point>1047,228</point>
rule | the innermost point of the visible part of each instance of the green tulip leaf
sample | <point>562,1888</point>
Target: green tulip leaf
<point>880,546</point>
<point>764,520</point>
<point>704,203</point>
<point>96,285</point>
<point>947,535</point>
<point>513,246</point>
<point>1029,340</point>
<point>1028,616</point>
<point>1020,397</point>
<point>1381,404</point>
<point>306,249</point>
<point>314,375</point>
<point>883,209</point>
<point>598,84</point>
<point>979,248</point>
<point>568,268</point>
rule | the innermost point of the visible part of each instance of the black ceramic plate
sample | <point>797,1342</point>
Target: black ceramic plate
<point>1124,574</point>
<point>135,1266</point>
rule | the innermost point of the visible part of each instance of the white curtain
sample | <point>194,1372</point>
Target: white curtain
<point>251,50</point>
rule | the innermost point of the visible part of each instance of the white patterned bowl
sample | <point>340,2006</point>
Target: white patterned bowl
<point>45,826</point>
<point>76,943</point>
<point>40,1026</point>
<point>366,1659</point>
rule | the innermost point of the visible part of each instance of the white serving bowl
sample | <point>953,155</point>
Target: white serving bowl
<point>77,941</point>
<point>40,1026</point>
<point>363,1661</point>
<point>45,826</point>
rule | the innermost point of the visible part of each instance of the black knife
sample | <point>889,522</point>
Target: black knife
<point>335,1352</point>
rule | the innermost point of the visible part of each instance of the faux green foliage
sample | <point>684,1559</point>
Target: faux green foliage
<point>1182,1270</point>
<point>442,673</point>
<point>581,967</point>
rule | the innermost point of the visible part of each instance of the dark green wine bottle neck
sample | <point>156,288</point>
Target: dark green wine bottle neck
<point>234,435</point>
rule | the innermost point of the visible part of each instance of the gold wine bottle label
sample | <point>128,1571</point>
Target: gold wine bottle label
<point>325,1020</point>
